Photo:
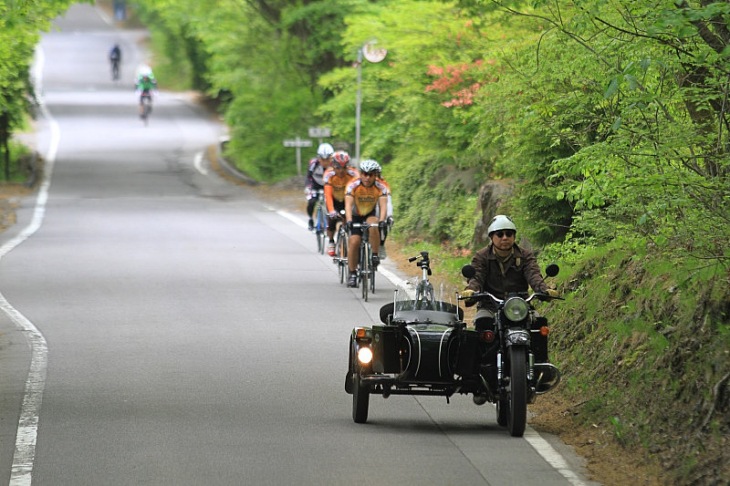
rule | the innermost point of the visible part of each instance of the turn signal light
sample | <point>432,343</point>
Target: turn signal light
<point>487,336</point>
<point>360,333</point>
<point>544,330</point>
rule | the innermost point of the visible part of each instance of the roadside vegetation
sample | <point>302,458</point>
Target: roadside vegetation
<point>604,125</point>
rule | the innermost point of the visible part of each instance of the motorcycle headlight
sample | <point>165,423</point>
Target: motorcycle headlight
<point>516,309</point>
<point>364,355</point>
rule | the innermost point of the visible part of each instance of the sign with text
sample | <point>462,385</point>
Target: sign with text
<point>320,132</point>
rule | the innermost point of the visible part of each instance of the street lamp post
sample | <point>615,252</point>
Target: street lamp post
<point>374,55</point>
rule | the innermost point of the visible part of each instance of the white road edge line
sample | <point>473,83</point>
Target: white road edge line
<point>25,440</point>
<point>541,446</point>
<point>198,162</point>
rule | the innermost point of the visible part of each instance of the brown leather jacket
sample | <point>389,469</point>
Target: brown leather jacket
<point>501,278</point>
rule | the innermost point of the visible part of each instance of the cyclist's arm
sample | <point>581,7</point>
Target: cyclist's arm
<point>349,201</point>
<point>329,198</point>
<point>383,208</point>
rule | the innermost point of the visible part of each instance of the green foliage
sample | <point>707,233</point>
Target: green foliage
<point>21,23</point>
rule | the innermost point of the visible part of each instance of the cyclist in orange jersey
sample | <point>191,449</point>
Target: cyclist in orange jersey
<point>365,201</point>
<point>336,179</point>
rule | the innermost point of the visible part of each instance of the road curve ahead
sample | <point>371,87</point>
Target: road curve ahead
<point>192,335</point>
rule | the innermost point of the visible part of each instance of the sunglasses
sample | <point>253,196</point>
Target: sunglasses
<point>368,174</point>
<point>507,233</point>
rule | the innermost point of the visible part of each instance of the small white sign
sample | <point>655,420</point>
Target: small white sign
<point>297,143</point>
<point>320,132</point>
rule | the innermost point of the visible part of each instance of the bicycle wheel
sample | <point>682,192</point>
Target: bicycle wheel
<point>341,254</point>
<point>372,273</point>
<point>320,227</point>
<point>365,260</point>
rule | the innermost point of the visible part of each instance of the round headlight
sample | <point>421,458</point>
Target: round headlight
<point>516,309</point>
<point>364,355</point>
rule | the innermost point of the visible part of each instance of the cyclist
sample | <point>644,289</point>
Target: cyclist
<point>315,177</point>
<point>365,201</point>
<point>144,86</point>
<point>336,180</point>
<point>115,58</point>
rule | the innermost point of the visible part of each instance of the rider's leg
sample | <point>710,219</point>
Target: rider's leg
<point>353,252</point>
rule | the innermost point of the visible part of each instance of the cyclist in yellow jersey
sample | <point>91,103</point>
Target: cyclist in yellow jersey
<point>336,179</point>
<point>365,201</point>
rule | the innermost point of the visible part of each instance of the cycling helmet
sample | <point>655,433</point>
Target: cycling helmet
<point>501,222</point>
<point>325,151</point>
<point>369,165</point>
<point>341,159</point>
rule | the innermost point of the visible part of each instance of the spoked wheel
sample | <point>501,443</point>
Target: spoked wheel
<point>320,227</point>
<point>360,398</point>
<point>365,271</point>
<point>517,418</point>
<point>321,242</point>
<point>146,109</point>
<point>341,255</point>
<point>372,279</point>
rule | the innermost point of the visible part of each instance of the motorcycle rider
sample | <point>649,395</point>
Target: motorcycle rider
<point>502,268</point>
<point>315,178</point>
<point>365,201</point>
<point>336,179</point>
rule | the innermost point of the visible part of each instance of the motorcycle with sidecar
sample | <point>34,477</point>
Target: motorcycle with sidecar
<point>424,347</point>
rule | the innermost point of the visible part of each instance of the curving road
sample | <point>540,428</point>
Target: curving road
<point>172,329</point>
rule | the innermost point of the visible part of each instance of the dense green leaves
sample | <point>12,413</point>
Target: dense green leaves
<point>21,22</point>
<point>605,116</point>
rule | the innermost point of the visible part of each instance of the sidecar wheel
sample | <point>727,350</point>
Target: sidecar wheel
<point>360,400</point>
<point>518,391</point>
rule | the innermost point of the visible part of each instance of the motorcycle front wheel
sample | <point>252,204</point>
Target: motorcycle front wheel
<point>518,391</point>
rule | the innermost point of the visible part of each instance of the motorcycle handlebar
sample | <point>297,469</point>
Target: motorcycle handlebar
<point>486,295</point>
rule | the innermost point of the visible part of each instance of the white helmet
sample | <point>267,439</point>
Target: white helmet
<point>501,222</point>
<point>369,165</point>
<point>325,151</point>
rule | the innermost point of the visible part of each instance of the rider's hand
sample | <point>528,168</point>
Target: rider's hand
<point>382,225</point>
<point>333,214</point>
<point>553,293</point>
<point>467,294</point>
<point>348,225</point>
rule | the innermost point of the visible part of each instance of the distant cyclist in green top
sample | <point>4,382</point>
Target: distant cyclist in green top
<point>144,86</point>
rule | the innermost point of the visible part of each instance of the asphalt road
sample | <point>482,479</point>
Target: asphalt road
<point>189,333</point>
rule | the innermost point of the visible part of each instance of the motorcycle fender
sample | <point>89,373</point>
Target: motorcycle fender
<point>517,337</point>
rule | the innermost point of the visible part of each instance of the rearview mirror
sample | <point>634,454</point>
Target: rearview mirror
<point>468,271</point>
<point>552,270</point>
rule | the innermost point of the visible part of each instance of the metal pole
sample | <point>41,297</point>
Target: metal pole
<point>357,106</point>
<point>299,158</point>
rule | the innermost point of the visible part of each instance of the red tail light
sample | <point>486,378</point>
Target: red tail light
<point>544,330</point>
<point>487,336</point>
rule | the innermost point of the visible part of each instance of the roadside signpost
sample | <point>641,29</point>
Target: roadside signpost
<point>298,143</point>
<point>319,133</point>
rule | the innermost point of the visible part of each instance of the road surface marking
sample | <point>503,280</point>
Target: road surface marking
<point>25,440</point>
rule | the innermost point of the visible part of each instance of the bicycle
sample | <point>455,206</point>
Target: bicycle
<point>341,242</point>
<point>146,100</point>
<point>366,269</point>
<point>320,222</point>
<point>424,290</point>
<point>115,69</point>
